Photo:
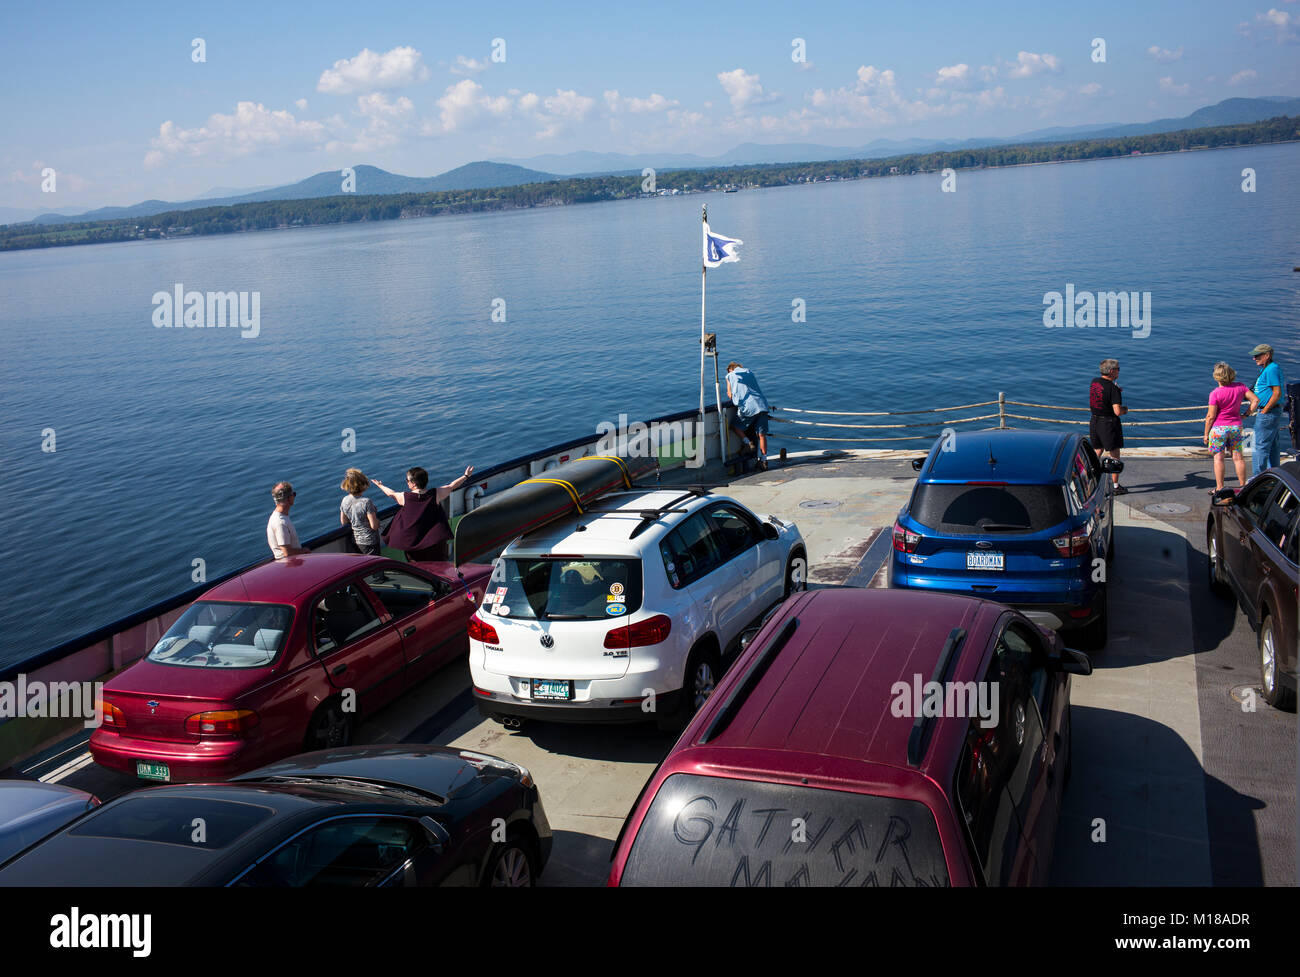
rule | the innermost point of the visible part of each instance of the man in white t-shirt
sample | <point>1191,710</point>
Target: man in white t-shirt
<point>280,534</point>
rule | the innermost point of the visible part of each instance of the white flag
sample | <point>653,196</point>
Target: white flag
<point>718,249</point>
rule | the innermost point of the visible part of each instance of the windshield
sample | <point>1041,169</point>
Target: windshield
<point>974,509</point>
<point>727,832</point>
<point>564,588</point>
<point>221,635</point>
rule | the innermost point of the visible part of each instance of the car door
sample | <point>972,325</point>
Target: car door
<point>359,652</point>
<point>1100,504</point>
<point>738,537</point>
<point>695,566</point>
<point>1240,554</point>
<point>1276,571</point>
<point>428,614</point>
<point>354,850</point>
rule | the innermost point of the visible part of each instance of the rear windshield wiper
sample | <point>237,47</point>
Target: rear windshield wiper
<point>1001,527</point>
<point>566,617</point>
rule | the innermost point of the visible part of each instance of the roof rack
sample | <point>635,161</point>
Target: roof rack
<point>736,698</point>
<point>651,516</point>
<point>921,725</point>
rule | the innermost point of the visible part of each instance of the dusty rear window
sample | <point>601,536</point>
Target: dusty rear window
<point>719,831</point>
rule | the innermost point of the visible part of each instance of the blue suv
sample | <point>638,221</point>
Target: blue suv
<point>1023,518</point>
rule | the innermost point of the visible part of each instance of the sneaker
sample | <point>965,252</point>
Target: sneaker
<point>1121,490</point>
<point>762,465</point>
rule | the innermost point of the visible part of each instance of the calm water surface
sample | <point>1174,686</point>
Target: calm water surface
<point>168,440</point>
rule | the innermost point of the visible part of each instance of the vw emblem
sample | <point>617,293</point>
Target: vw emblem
<point>153,706</point>
<point>547,641</point>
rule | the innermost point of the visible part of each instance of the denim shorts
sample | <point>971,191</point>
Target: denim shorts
<point>757,424</point>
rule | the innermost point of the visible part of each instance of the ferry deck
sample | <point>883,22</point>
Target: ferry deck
<point>1188,787</point>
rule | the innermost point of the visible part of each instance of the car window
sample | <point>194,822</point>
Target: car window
<point>171,820</point>
<point>968,509</point>
<point>1280,515</point>
<point>1077,489</point>
<point>993,771</point>
<point>353,851</point>
<point>402,593</point>
<point>564,587</point>
<point>732,532</point>
<point>1255,498</point>
<point>219,634</point>
<point>1084,473</point>
<point>722,831</point>
<point>1094,464</point>
<point>341,617</point>
<point>689,552</point>
<point>1289,543</point>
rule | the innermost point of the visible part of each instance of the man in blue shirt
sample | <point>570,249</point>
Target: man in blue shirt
<point>752,408</point>
<point>1268,419</point>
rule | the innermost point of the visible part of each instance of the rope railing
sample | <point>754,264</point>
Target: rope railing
<point>781,416</point>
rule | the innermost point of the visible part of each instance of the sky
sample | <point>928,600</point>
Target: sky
<point>124,104</point>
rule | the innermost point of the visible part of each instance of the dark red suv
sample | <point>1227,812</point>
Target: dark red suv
<point>867,737</point>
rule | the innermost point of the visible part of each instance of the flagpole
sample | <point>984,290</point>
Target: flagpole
<point>704,273</point>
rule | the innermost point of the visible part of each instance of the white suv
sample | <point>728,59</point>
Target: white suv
<point>645,592</point>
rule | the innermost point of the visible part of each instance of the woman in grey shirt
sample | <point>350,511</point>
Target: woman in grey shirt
<point>360,512</point>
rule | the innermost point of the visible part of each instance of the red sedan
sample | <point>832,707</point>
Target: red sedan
<point>281,659</point>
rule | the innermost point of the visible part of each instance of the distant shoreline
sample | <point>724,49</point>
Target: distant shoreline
<point>352,209</point>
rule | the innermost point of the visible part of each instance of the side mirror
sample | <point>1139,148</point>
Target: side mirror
<point>918,464</point>
<point>747,636</point>
<point>1225,496</point>
<point>1074,662</point>
<point>770,531</point>
<point>438,835</point>
<point>1112,466</point>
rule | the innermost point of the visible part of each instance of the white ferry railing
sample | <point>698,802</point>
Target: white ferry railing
<point>934,427</point>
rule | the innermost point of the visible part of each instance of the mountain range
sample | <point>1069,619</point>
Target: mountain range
<point>538,169</point>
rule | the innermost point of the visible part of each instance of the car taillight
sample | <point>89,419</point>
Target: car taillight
<point>648,632</point>
<point>905,540</point>
<point>222,722</point>
<point>111,714</point>
<point>1077,543</point>
<point>480,630</point>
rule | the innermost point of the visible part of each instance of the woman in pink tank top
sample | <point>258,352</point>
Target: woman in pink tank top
<point>1223,422</point>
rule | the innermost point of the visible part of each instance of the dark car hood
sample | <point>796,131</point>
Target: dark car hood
<point>441,771</point>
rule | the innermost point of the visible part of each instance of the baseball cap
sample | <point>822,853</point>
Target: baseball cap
<point>1261,349</point>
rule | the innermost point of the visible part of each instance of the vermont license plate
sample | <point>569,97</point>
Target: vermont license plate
<point>152,771</point>
<point>552,688</point>
<point>984,560</point>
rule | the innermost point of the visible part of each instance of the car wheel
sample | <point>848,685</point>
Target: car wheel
<point>796,574</point>
<point>701,678</point>
<point>1275,693</point>
<point>1218,582</point>
<point>331,727</point>
<point>512,866</point>
<point>1093,637</point>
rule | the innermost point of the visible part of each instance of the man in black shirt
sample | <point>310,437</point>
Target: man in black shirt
<point>1104,430</point>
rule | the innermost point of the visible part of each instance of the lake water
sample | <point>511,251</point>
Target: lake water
<point>168,440</point>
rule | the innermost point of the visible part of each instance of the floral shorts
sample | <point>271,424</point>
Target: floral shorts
<point>1225,439</point>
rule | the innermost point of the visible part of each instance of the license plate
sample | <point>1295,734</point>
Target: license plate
<point>982,560</point>
<point>152,771</point>
<point>552,688</point>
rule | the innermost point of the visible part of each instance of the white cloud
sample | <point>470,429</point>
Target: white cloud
<point>638,106</point>
<point>1164,55</point>
<point>465,104</point>
<point>1028,64</point>
<point>955,74</point>
<point>1284,27</point>
<point>468,66</point>
<point>1168,87</point>
<point>557,111</point>
<point>369,71</point>
<point>1092,88</point>
<point>251,129</point>
<point>744,89</point>
<point>1243,77</point>
<point>302,104</point>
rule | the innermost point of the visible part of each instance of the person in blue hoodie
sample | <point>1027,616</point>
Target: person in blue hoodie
<point>752,409</point>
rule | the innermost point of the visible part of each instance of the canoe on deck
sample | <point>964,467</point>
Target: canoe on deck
<point>563,491</point>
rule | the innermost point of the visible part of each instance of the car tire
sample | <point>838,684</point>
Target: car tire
<point>1093,637</point>
<point>1217,579</point>
<point>330,727</point>
<point>698,682</point>
<point>512,865</point>
<point>1275,693</point>
<point>796,573</point>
